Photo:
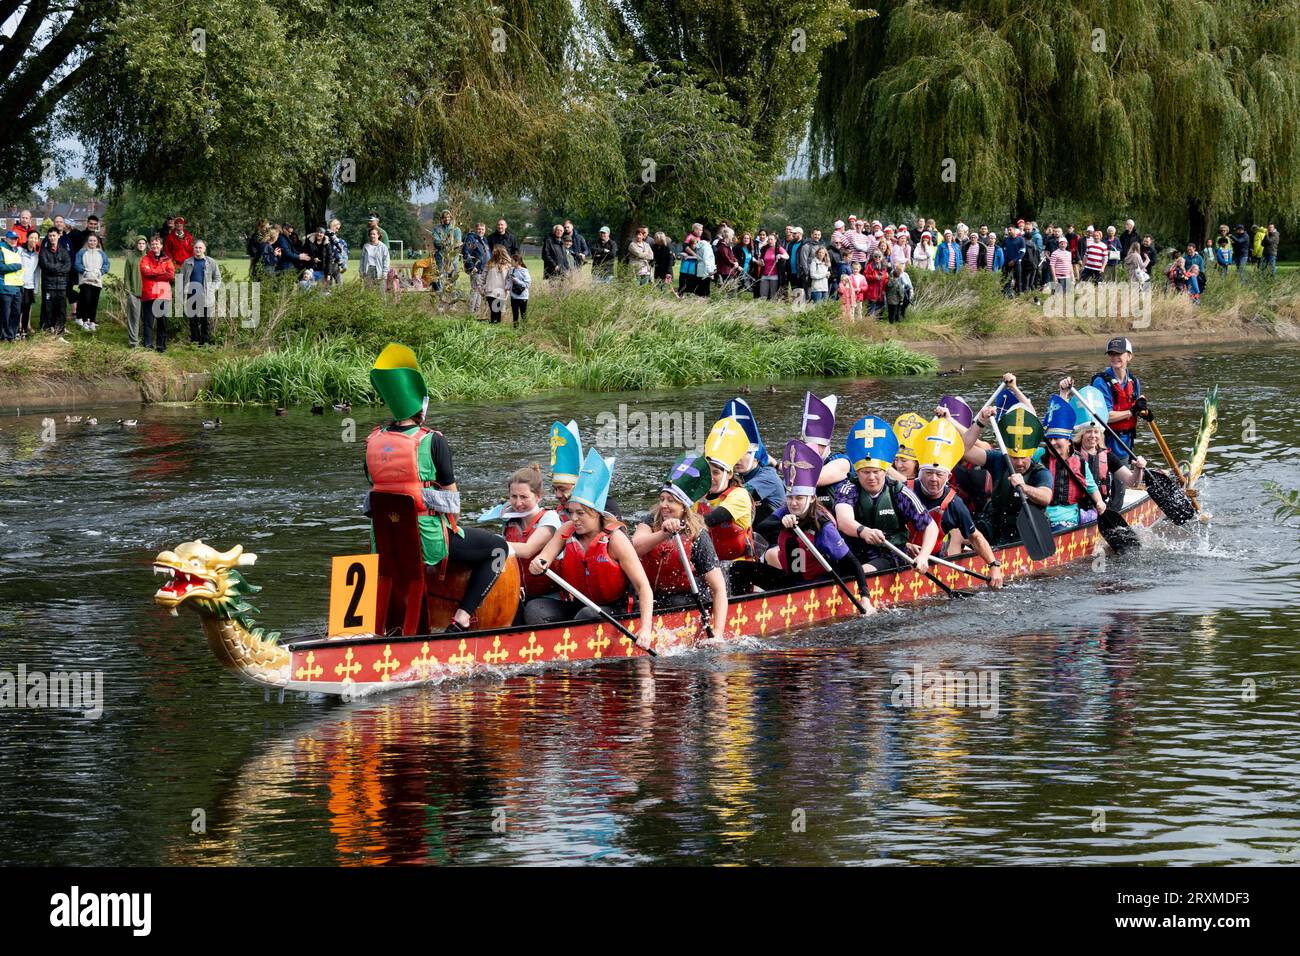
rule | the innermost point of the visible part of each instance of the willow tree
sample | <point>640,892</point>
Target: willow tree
<point>984,104</point>
<point>265,100</point>
<point>742,68</point>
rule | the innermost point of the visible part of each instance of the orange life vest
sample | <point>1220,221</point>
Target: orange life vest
<point>936,514</point>
<point>730,540</point>
<point>1071,493</point>
<point>663,566</point>
<point>594,572</point>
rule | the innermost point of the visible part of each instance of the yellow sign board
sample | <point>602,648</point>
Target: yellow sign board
<point>354,588</point>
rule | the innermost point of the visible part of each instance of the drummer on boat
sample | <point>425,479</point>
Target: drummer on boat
<point>405,457</point>
<point>1122,393</point>
<point>872,508</point>
<point>593,555</point>
<point>656,544</point>
<point>939,446</point>
<point>787,558</point>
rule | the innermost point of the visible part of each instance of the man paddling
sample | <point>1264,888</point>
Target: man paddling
<point>875,509</point>
<point>939,447</point>
<point>1123,394</point>
<point>1022,434</point>
<point>405,457</point>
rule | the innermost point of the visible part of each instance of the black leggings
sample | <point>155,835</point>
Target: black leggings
<point>487,554</point>
<point>518,310</point>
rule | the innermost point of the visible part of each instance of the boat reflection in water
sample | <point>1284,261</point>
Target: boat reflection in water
<point>736,757</point>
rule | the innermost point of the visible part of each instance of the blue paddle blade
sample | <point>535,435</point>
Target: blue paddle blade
<point>1006,399</point>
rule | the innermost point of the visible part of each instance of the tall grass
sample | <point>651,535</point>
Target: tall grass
<point>598,339</point>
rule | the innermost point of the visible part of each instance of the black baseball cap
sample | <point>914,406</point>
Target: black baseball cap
<point>1119,344</point>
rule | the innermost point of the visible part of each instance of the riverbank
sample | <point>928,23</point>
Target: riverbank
<point>316,348</point>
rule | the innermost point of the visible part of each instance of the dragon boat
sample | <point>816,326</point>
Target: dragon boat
<point>212,584</point>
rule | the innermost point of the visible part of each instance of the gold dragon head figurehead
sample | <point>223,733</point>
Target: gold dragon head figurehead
<point>198,572</point>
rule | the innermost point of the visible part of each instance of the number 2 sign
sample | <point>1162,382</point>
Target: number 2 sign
<point>354,585</point>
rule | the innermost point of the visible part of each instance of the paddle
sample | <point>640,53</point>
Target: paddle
<point>1031,523</point>
<point>595,607</point>
<point>904,555</point>
<point>1110,522</point>
<point>695,588</point>
<point>935,559</point>
<point>1168,495</point>
<point>803,538</point>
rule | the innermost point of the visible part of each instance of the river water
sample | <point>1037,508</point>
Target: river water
<point>1144,711</point>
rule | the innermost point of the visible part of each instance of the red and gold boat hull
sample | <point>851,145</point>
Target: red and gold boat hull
<point>367,664</point>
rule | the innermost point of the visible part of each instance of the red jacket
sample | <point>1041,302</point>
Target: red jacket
<point>156,274</point>
<point>178,248</point>
<point>876,279</point>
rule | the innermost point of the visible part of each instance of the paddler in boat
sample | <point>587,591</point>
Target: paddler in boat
<point>406,457</point>
<point>873,508</point>
<point>816,432</point>
<point>675,514</point>
<point>1063,510</point>
<point>788,563</point>
<point>566,461</point>
<point>939,446</point>
<point>1113,472</point>
<point>906,427</point>
<point>529,526</point>
<point>593,555</point>
<point>727,509</point>
<point>1021,433</point>
<point>755,470</point>
<point>1122,392</point>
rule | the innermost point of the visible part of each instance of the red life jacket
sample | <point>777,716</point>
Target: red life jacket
<point>393,462</point>
<point>1122,398</point>
<point>520,530</point>
<point>1072,491</point>
<point>593,572</point>
<point>787,539</point>
<point>730,540</point>
<point>663,566</point>
<point>1101,471</point>
<point>936,514</point>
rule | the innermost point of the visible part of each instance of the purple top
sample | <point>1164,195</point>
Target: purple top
<point>910,508</point>
<point>827,540</point>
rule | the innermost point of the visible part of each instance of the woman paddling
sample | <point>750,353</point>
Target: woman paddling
<point>406,457</point>
<point>592,556</point>
<point>529,526</point>
<point>656,545</point>
<point>800,467</point>
<point>1113,472</point>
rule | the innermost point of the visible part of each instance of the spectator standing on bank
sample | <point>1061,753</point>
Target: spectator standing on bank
<point>555,263</point>
<point>372,222</point>
<point>133,284</point>
<point>447,240</point>
<point>91,265</point>
<point>501,237</point>
<point>604,252</point>
<point>641,257</point>
<point>200,278</point>
<point>179,244</point>
<point>663,260</point>
<point>474,254</point>
<point>1241,249</point>
<point>374,259</point>
<point>338,251</point>
<point>157,270</point>
<point>56,267</point>
<point>11,285</point>
<point>521,280</point>
<point>1269,244</point>
<point>497,281</point>
<point>708,264</point>
<point>31,254</point>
